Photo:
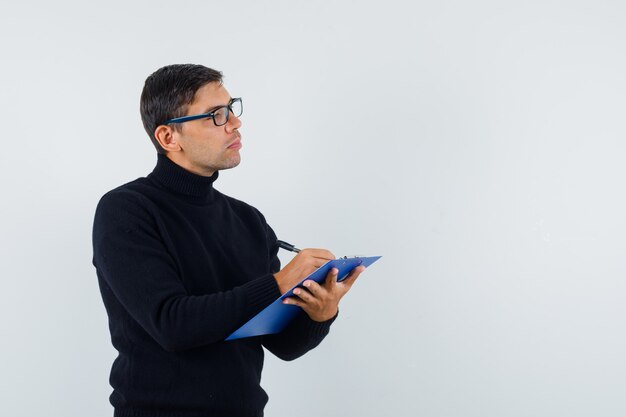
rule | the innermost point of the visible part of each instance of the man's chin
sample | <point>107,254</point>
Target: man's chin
<point>231,163</point>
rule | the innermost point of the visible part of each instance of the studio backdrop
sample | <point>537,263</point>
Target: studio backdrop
<point>477,146</point>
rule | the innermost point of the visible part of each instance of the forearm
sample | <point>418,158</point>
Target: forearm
<point>177,321</point>
<point>302,335</point>
<point>185,322</point>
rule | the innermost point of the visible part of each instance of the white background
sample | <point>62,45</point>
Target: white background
<point>478,146</point>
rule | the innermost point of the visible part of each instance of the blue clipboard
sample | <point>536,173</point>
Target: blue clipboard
<point>275,317</point>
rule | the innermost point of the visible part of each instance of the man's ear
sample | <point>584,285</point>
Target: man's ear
<point>166,138</point>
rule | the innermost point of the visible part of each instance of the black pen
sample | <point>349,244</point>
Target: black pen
<point>287,246</point>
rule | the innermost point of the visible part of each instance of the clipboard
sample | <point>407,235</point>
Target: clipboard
<point>275,317</point>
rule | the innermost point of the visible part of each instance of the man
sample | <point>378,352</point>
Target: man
<point>181,265</point>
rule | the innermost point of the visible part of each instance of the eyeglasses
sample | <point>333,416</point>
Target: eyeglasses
<point>220,115</point>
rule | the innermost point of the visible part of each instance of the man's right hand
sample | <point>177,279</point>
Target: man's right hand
<point>302,265</point>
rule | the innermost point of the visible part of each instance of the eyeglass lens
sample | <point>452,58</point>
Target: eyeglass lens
<point>221,114</point>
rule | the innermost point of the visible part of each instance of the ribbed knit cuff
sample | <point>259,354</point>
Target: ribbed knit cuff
<point>261,292</point>
<point>316,329</point>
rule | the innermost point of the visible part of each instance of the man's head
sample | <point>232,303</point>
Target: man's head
<point>198,145</point>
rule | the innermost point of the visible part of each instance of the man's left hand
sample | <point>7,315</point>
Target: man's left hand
<point>321,302</point>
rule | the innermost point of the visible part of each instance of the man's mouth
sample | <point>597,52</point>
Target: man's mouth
<point>236,144</point>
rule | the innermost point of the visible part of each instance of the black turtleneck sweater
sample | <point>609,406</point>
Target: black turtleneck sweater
<point>180,267</point>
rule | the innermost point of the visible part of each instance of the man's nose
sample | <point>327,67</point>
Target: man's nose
<point>234,122</point>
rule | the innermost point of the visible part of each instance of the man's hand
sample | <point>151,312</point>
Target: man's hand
<point>321,302</point>
<point>301,266</point>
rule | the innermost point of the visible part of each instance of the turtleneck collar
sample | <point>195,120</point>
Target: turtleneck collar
<point>177,179</point>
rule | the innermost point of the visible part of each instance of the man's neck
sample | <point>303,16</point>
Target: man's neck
<point>181,161</point>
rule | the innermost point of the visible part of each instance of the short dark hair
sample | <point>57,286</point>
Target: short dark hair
<point>167,93</point>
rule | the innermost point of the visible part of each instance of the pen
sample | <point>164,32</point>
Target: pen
<point>287,246</point>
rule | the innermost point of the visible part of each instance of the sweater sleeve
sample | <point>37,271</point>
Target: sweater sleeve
<point>301,335</point>
<point>133,262</point>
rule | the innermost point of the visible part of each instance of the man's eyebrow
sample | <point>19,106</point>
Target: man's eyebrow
<point>210,109</point>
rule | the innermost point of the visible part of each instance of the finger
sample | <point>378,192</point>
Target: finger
<point>304,295</point>
<point>295,301</point>
<point>319,262</point>
<point>309,269</point>
<point>318,253</point>
<point>314,263</point>
<point>314,288</point>
<point>331,278</point>
<point>351,278</point>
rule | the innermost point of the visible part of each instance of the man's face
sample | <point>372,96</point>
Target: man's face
<point>206,148</point>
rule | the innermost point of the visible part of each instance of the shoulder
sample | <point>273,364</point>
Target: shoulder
<point>243,208</point>
<point>125,199</point>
